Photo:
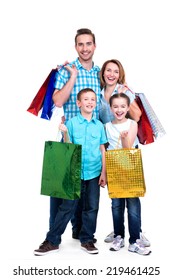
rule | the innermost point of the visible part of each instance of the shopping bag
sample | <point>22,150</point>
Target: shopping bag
<point>61,171</point>
<point>145,133</point>
<point>37,102</point>
<point>157,128</point>
<point>125,174</point>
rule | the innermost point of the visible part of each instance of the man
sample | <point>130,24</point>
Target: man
<point>73,77</point>
<point>70,79</point>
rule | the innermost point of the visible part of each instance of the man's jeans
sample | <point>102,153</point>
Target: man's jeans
<point>134,217</point>
<point>90,195</point>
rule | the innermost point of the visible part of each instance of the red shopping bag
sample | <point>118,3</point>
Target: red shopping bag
<point>38,100</point>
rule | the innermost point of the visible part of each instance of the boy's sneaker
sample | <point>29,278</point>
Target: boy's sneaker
<point>109,238</point>
<point>139,248</point>
<point>89,247</point>
<point>144,240</point>
<point>45,248</point>
<point>117,243</point>
<point>76,236</point>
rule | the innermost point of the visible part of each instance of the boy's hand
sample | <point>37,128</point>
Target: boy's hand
<point>102,180</point>
<point>62,127</point>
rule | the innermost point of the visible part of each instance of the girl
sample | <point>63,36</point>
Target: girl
<point>122,132</point>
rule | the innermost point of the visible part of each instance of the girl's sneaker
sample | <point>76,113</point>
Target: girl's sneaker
<point>144,240</point>
<point>117,243</point>
<point>139,248</point>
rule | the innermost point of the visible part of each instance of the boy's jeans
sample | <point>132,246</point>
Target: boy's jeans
<point>90,195</point>
<point>64,213</point>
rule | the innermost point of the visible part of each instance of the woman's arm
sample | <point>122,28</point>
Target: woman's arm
<point>135,112</point>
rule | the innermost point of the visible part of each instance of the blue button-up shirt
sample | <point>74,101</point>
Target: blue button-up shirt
<point>89,134</point>
<point>85,79</point>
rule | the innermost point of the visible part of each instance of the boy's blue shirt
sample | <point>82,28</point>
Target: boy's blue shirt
<point>89,134</point>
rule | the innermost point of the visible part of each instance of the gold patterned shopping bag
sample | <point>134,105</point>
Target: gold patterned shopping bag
<point>125,173</point>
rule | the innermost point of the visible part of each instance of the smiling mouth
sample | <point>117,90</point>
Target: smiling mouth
<point>119,114</point>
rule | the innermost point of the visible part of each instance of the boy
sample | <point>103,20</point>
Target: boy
<point>86,130</point>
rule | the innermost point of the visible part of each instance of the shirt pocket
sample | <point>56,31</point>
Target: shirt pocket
<point>78,138</point>
<point>94,137</point>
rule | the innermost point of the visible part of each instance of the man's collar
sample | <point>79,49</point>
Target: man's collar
<point>79,65</point>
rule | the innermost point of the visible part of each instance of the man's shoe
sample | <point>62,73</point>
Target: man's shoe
<point>109,238</point>
<point>75,235</point>
<point>139,248</point>
<point>45,248</point>
<point>89,247</point>
<point>117,244</point>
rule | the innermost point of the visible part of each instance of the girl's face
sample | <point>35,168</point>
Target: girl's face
<point>111,74</point>
<point>119,108</point>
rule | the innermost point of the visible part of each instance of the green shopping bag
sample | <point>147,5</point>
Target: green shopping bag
<point>61,171</point>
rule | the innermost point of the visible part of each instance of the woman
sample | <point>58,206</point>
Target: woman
<point>112,77</point>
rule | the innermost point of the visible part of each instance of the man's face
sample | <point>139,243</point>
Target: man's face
<point>85,47</point>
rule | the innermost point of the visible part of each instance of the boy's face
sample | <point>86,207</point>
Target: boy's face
<point>87,102</point>
<point>85,47</point>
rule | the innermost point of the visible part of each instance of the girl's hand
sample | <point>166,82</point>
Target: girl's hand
<point>124,134</point>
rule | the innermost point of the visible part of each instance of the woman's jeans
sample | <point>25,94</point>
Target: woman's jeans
<point>134,217</point>
<point>90,195</point>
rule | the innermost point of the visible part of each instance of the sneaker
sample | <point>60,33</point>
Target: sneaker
<point>76,236</point>
<point>144,240</point>
<point>109,238</point>
<point>139,248</point>
<point>117,243</point>
<point>89,247</point>
<point>45,248</point>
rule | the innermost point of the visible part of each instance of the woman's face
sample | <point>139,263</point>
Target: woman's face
<point>111,74</point>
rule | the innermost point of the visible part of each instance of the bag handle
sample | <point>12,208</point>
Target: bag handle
<point>59,135</point>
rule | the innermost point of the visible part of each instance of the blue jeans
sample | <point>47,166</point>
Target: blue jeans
<point>54,205</point>
<point>64,213</point>
<point>90,195</point>
<point>76,220</point>
<point>134,217</point>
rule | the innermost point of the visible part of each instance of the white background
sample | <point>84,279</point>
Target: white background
<point>35,37</point>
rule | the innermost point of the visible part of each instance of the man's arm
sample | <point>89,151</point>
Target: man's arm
<point>61,96</point>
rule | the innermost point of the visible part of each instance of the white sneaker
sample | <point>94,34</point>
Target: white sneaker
<point>139,248</point>
<point>109,238</point>
<point>117,243</point>
<point>144,240</point>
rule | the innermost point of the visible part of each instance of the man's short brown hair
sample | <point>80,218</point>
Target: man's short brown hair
<point>84,31</point>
